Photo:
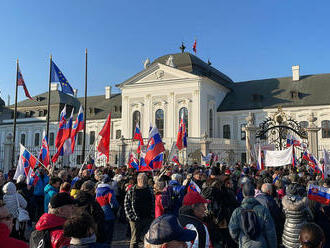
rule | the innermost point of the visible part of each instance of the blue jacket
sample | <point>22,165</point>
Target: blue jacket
<point>41,184</point>
<point>267,238</point>
<point>106,197</point>
<point>50,191</point>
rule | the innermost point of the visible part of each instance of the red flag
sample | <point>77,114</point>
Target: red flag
<point>104,143</point>
<point>194,47</point>
<point>20,82</point>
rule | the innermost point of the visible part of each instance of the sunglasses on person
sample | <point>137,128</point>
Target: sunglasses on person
<point>7,218</point>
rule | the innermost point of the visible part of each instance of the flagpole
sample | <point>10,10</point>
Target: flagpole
<point>85,107</point>
<point>15,115</point>
<point>48,104</point>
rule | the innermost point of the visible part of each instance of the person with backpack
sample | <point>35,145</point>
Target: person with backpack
<point>251,224</point>
<point>49,228</point>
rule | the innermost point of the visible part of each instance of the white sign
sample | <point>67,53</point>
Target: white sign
<point>278,158</point>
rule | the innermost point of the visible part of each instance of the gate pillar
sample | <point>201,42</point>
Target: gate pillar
<point>122,152</point>
<point>205,144</point>
<point>312,132</point>
<point>250,131</point>
<point>8,151</point>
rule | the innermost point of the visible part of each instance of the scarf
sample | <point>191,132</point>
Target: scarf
<point>83,241</point>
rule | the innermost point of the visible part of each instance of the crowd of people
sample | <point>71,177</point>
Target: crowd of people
<point>178,206</point>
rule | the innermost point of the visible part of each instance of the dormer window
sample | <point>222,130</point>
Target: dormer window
<point>295,95</point>
<point>257,97</point>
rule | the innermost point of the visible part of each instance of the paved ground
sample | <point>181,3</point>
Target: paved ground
<point>120,240</point>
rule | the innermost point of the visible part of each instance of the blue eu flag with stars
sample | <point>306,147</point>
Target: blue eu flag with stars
<point>57,76</point>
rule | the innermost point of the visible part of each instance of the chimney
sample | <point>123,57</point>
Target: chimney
<point>75,92</point>
<point>107,92</point>
<point>8,100</point>
<point>54,87</point>
<point>295,73</point>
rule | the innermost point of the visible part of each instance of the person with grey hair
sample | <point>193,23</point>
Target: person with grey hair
<point>251,224</point>
<point>267,200</point>
<point>139,207</point>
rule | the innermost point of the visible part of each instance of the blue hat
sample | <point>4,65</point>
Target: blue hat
<point>167,228</point>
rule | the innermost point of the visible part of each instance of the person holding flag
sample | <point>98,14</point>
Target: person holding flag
<point>155,146</point>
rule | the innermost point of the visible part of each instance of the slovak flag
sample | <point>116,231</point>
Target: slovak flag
<point>133,162</point>
<point>261,162</point>
<point>292,140</point>
<point>67,143</point>
<point>176,160</point>
<point>157,162</point>
<point>138,136</point>
<point>26,164</point>
<point>20,82</point>
<point>181,141</point>
<point>44,155</point>
<point>194,46</point>
<point>77,127</point>
<point>312,161</point>
<point>60,138</point>
<point>155,145</point>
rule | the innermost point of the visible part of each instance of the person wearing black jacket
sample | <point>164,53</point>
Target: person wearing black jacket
<point>88,204</point>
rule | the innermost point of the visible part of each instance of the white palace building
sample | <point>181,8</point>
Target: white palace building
<point>215,109</point>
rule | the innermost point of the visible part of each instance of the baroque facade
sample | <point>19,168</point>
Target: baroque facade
<point>214,108</point>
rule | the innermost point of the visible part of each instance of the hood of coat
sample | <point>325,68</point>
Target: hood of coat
<point>49,188</point>
<point>9,188</point>
<point>294,203</point>
<point>249,202</point>
<point>47,221</point>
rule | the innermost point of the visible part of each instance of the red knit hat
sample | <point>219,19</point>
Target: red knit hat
<point>193,197</point>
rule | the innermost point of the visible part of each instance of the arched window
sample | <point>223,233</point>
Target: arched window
<point>304,124</point>
<point>136,119</point>
<point>226,131</point>
<point>184,112</point>
<point>325,129</point>
<point>159,120</point>
<point>23,139</point>
<point>211,123</point>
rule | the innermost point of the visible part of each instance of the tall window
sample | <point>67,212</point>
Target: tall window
<point>80,138</point>
<point>23,139</point>
<point>118,134</point>
<point>136,119</point>
<point>36,139</point>
<point>211,123</point>
<point>325,129</point>
<point>184,111</point>
<point>159,120</point>
<point>91,137</point>
<point>51,139</point>
<point>243,134</point>
<point>226,131</point>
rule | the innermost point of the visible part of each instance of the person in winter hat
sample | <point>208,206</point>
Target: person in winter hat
<point>84,236</point>
<point>106,198</point>
<point>258,218</point>
<point>191,217</point>
<point>61,207</point>
<point>166,231</point>
<point>6,226</point>
<point>13,201</point>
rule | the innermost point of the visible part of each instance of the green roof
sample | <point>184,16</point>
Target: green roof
<point>310,90</point>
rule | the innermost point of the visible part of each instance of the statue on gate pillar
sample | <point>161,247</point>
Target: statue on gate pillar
<point>250,134</point>
<point>312,132</point>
